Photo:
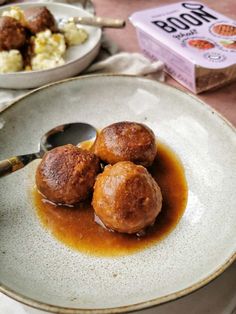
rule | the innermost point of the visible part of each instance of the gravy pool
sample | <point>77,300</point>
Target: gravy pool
<point>76,228</point>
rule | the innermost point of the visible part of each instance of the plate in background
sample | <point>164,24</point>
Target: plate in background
<point>77,57</point>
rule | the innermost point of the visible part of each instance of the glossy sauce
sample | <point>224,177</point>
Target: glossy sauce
<point>76,228</point>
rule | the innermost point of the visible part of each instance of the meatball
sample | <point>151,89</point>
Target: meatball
<point>126,198</point>
<point>126,141</point>
<point>39,19</point>
<point>66,174</point>
<point>12,34</point>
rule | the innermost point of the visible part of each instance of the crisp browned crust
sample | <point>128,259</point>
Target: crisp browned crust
<point>126,141</point>
<point>12,33</point>
<point>39,19</point>
<point>126,198</point>
<point>67,174</point>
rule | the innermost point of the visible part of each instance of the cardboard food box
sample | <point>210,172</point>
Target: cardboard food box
<point>197,44</point>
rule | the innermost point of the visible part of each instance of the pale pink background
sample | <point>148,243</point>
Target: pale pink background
<point>222,99</point>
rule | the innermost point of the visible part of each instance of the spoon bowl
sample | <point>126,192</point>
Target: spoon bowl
<point>71,133</point>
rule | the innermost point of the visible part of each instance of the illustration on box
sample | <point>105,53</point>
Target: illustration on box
<point>197,44</point>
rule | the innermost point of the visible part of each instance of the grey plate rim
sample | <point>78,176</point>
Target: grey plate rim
<point>138,306</point>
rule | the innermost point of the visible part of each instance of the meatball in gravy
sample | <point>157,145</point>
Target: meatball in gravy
<point>66,174</point>
<point>126,198</point>
<point>126,141</point>
<point>12,34</point>
<point>39,19</point>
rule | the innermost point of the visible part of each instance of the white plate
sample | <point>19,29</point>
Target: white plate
<point>40,271</point>
<point>77,57</point>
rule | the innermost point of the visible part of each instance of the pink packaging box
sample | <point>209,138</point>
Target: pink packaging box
<point>197,44</point>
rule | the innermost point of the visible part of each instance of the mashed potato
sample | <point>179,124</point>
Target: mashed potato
<point>46,42</point>
<point>10,61</point>
<point>48,50</point>
<point>73,34</point>
<point>17,14</point>
<point>43,61</point>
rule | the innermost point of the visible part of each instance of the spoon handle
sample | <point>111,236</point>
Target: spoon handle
<point>99,21</point>
<point>12,164</point>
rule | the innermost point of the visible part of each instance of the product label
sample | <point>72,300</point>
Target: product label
<point>203,36</point>
<point>177,66</point>
<point>196,16</point>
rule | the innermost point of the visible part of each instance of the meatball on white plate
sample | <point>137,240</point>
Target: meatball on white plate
<point>77,57</point>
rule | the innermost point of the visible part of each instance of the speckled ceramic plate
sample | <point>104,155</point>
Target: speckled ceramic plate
<point>40,271</point>
<point>77,58</point>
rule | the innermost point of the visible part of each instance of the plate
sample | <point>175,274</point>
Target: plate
<point>77,58</point>
<point>38,270</point>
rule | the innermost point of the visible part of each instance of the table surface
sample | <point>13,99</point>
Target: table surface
<point>219,297</point>
<point>222,99</point>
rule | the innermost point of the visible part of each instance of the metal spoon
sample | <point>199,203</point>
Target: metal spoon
<point>71,133</point>
<point>93,21</point>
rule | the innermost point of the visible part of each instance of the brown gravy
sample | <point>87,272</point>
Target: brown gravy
<point>76,227</point>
